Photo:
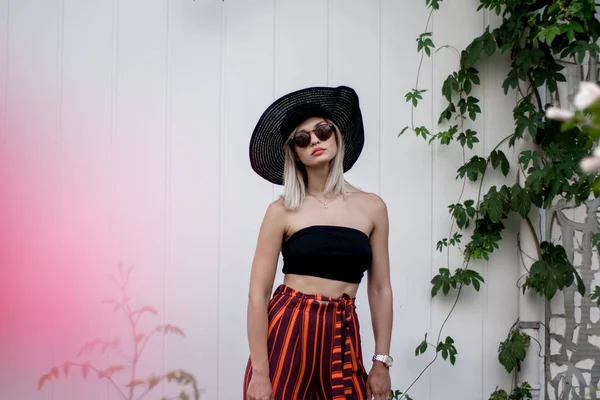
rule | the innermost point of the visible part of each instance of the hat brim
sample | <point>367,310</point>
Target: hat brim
<point>341,106</point>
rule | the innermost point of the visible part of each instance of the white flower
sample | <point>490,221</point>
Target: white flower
<point>558,114</point>
<point>587,95</point>
<point>590,164</point>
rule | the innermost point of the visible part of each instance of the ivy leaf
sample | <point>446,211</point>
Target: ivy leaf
<point>435,4</point>
<point>489,43</point>
<point>469,209</point>
<point>469,107</point>
<point>484,240</point>
<point>548,34</point>
<point>403,130</point>
<point>445,136</point>
<point>442,281</point>
<point>521,392</point>
<point>513,350</point>
<point>498,158</point>
<point>425,43</point>
<point>527,118</point>
<point>475,166</point>
<point>520,201</point>
<point>495,5</point>
<point>492,205</point>
<point>422,131</point>
<point>441,244</point>
<point>512,80</point>
<point>553,272</point>
<point>468,75</point>
<point>397,395</point>
<point>499,394</point>
<point>469,277</point>
<point>422,347</point>
<point>596,295</point>
<point>473,107</point>
<point>527,157</point>
<point>455,239</point>
<point>447,113</point>
<point>450,85</point>
<point>414,96</point>
<point>469,137</point>
<point>447,349</point>
<point>461,214</point>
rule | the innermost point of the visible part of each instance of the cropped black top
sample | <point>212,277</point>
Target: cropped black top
<point>328,251</point>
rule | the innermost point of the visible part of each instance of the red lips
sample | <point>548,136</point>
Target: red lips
<point>318,150</point>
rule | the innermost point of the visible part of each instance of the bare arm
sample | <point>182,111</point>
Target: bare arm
<point>261,284</point>
<point>379,288</point>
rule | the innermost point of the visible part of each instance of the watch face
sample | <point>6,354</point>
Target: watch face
<point>389,361</point>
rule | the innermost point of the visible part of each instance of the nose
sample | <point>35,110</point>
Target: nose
<point>314,139</point>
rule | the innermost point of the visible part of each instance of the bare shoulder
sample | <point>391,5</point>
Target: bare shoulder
<point>276,210</point>
<point>276,216</point>
<point>374,204</point>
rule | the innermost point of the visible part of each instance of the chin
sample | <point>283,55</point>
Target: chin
<point>318,163</point>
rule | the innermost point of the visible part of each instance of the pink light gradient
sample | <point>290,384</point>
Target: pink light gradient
<point>53,251</point>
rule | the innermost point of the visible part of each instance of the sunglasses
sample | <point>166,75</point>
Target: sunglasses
<point>302,138</point>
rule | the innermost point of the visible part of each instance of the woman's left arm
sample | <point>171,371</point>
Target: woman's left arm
<point>379,291</point>
<point>379,287</point>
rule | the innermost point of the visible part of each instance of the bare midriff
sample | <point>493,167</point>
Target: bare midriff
<point>320,286</point>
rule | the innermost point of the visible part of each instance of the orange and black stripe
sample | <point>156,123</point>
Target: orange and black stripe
<point>314,348</point>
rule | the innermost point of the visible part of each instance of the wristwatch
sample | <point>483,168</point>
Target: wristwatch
<point>388,361</point>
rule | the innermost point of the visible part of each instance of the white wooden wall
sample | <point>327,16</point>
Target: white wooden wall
<point>124,131</point>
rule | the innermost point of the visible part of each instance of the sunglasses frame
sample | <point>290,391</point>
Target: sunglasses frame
<point>329,125</point>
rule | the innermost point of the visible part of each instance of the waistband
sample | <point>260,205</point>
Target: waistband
<point>288,291</point>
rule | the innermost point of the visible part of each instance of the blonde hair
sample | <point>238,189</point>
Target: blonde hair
<point>295,178</point>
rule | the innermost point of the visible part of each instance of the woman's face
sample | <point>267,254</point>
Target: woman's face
<point>319,148</point>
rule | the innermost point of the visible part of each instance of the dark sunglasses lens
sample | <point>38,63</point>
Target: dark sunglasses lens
<point>302,139</point>
<point>323,132</point>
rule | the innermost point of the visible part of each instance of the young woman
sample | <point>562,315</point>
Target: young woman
<point>305,340</point>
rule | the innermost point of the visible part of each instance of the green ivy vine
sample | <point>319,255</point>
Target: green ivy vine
<point>536,34</point>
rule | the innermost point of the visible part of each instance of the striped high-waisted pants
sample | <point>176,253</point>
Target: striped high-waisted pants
<point>314,348</point>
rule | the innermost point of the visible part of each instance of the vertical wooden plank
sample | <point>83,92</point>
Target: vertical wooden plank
<point>139,147</point>
<point>84,121</point>
<point>247,91</point>
<point>354,61</point>
<point>447,190</point>
<point>191,287</point>
<point>406,165</point>
<point>302,45</point>
<point>502,271</point>
<point>29,148</point>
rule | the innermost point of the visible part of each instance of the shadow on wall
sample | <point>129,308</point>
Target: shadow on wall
<point>134,387</point>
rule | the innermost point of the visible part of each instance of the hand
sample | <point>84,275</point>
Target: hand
<point>379,385</point>
<point>260,388</point>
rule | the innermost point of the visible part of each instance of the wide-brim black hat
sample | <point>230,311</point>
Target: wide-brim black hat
<point>340,105</point>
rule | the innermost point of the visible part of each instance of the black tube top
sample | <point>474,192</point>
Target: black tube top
<point>328,251</point>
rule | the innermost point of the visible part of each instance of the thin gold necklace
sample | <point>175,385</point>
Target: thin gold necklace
<point>325,203</point>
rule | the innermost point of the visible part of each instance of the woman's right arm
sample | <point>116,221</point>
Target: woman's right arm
<point>264,267</point>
